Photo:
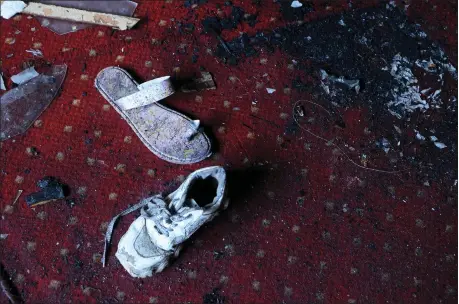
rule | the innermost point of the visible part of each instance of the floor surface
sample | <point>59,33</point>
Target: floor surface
<point>309,221</point>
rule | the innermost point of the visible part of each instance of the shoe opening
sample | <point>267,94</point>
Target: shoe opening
<point>203,191</point>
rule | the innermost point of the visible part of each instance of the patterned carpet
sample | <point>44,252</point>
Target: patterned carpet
<point>308,221</point>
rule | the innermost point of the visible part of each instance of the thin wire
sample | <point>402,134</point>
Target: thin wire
<point>333,144</point>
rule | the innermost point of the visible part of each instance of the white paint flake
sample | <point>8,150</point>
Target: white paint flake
<point>419,135</point>
<point>24,76</point>
<point>2,84</point>
<point>10,8</point>
<point>35,53</point>
<point>440,145</point>
<point>296,4</point>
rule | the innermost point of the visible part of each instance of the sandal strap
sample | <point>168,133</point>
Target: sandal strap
<point>149,92</point>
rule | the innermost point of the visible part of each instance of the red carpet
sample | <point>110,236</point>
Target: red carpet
<point>305,225</point>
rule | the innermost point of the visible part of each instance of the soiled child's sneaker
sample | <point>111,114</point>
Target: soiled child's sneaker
<point>138,254</point>
<point>165,223</point>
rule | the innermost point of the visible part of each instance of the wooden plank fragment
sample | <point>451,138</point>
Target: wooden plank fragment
<point>77,15</point>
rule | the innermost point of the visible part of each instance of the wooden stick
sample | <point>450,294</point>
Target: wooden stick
<point>78,15</point>
<point>17,196</point>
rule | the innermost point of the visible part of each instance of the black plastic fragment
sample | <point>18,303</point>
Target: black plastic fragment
<point>51,189</point>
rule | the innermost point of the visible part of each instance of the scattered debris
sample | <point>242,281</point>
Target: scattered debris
<point>440,145</point>
<point>51,189</point>
<point>78,15</point>
<point>296,4</point>
<point>428,66</point>
<point>419,135</point>
<point>216,25</point>
<point>270,91</point>
<point>299,110</point>
<point>406,96</point>
<point>206,82</point>
<point>364,160</point>
<point>450,68</point>
<point>49,11</point>
<point>363,157</point>
<point>17,196</point>
<point>435,66</point>
<point>433,138</point>
<point>24,76</point>
<point>124,8</point>
<point>218,255</point>
<point>2,84</point>
<point>385,35</point>
<point>349,83</point>
<point>3,236</point>
<point>210,29</point>
<point>384,144</point>
<point>10,8</point>
<point>21,106</point>
<point>425,91</point>
<point>223,44</point>
<point>35,53</point>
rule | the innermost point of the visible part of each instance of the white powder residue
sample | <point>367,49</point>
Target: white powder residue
<point>406,94</point>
